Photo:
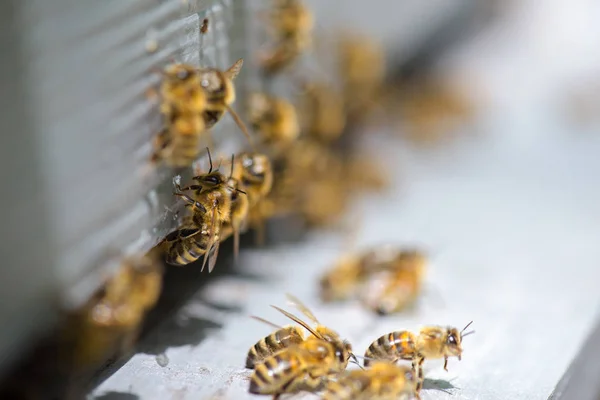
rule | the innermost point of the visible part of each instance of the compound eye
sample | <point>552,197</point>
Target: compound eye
<point>451,339</point>
<point>183,74</point>
<point>212,179</point>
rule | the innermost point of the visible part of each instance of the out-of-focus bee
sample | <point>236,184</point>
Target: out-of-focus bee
<point>303,367</point>
<point>319,172</point>
<point>323,111</point>
<point>193,100</point>
<point>255,173</point>
<point>290,25</point>
<point>382,381</point>
<point>344,280</point>
<point>432,109</point>
<point>275,120</point>
<point>111,319</point>
<point>362,70</point>
<point>220,94</point>
<point>183,102</point>
<point>319,331</point>
<point>281,338</point>
<point>200,235</point>
<point>431,342</point>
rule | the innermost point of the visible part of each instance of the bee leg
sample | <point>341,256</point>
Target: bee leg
<point>195,188</point>
<point>446,364</point>
<point>196,206</point>
<point>417,366</point>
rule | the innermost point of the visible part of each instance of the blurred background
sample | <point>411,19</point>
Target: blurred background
<point>486,131</point>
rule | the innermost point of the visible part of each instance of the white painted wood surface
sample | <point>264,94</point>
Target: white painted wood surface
<point>513,235</point>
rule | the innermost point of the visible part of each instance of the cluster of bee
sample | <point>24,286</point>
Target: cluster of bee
<point>291,361</point>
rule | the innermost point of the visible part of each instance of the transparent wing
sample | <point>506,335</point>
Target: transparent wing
<point>303,308</point>
<point>298,321</point>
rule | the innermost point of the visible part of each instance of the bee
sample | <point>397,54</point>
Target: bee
<point>305,366</point>
<point>319,331</point>
<point>344,279</point>
<point>240,207</point>
<point>382,381</point>
<point>193,101</point>
<point>274,118</point>
<point>362,70</point>
<point>114,315</point>
<point>183,102</point>
<point>201,233</point>
<point>220,95</point>
<point>290,18</point>
<point>281,338</point>
<point>291,25</point>
<point>255,172</point>
<point>324,111</point>
<point>431,342</point>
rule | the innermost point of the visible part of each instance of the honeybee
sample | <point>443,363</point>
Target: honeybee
<point>305,366</point>
<point>362,70</point>
<point>291,25</point>
<point>183,102</point>
<point>193,100</point>
<point>274,118</point>
<point>382,381</point>
<point>201,233</point>
<point>220,94</point>
<point>431,342</point>
<point>344,279</point>
<point>432,109</point>
<point>324,112</point>
<point>281,338</point>
<point>255,172</point>
<point>319,331</point>
<point>240,207</point>
<point>319,171</point>
<point>114,315</point>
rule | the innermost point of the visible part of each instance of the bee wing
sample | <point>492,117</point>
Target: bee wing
<point>264,321</point>
<point>211,243</point>
<point>300,306</point>
<point>213,257</point>
<point>235,69</point>
<point>298,321</point>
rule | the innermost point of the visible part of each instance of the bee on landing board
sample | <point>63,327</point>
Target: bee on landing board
<point>281,338</point>
<point>305,366</point>
<point>319,330</point>
<point>432,342</point>
<point>381,381</point>
<point>193,100</point>
<point>113,316</point>
<point>386,278</point>
<point>200,234</point>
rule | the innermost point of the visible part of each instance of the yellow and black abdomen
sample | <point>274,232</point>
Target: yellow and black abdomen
<point>271,344</point>
<point>393,346</point>
<point>272,376</point>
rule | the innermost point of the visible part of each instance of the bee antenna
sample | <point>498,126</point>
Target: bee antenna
<point>465,328</point>
<point>357,363</point>
<point>232,159</point>
<point>240,191</point>
<point>466,334</point>
<point>209,160</point>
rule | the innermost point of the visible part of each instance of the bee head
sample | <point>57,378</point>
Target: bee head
<point>453,342</point>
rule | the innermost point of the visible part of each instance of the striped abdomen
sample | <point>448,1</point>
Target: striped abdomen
<point>271,344</point>
<point>393,346</point>
<point>349,387</point>
<point>276,372</point>
<point>184,247</point>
